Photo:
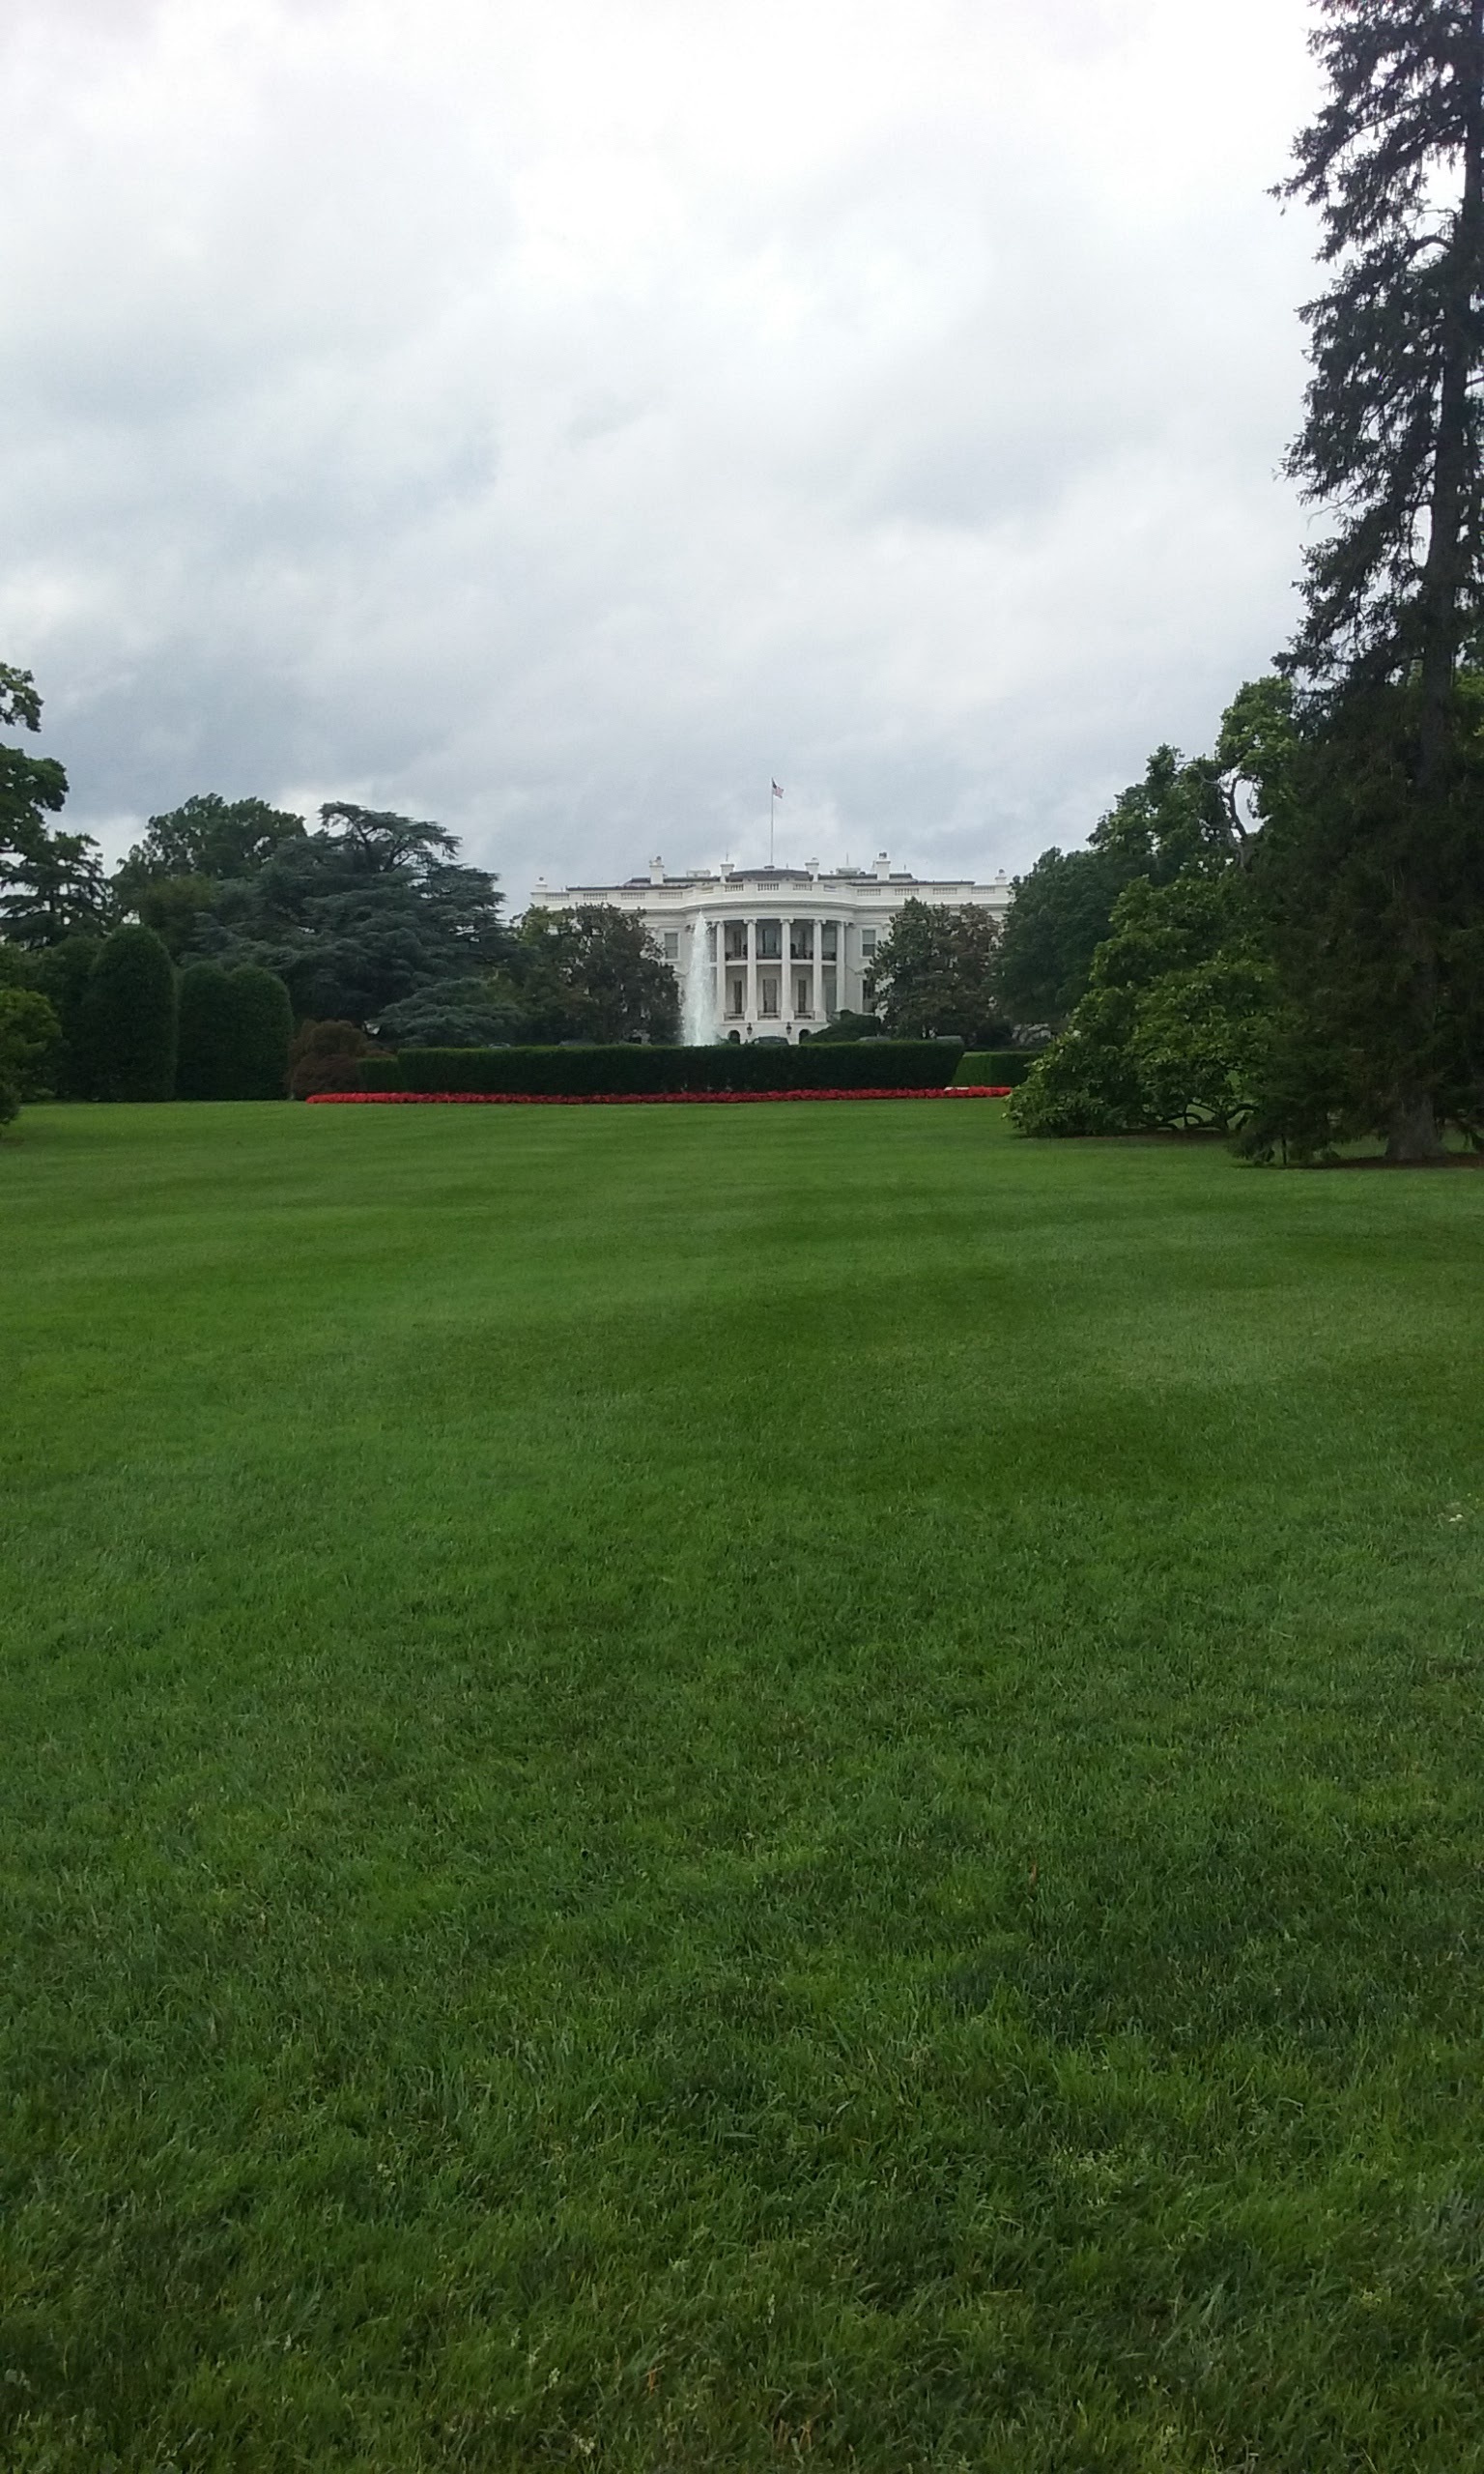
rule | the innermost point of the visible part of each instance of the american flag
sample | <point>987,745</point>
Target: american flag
<point>778,789</point>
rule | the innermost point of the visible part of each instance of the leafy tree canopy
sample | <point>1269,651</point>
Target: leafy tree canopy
<point>1059,916</point>
<point>935,973</point>
<point>591,973</point>
<point>209,836</point>
<point>51,884</point>
<point>368,910</point>
<point>30,1036</point>
<point>1174,1028</point>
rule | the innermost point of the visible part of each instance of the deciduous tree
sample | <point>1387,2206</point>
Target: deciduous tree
<point>935,973</point>
<point>591,973</point>
<point>51,884</point>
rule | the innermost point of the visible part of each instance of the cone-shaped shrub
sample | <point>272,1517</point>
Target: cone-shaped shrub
<point>129,1019</point>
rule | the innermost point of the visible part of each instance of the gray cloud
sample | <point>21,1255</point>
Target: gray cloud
<point>561,420</point>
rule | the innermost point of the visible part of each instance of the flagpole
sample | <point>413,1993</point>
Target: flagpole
<point>772,813</point>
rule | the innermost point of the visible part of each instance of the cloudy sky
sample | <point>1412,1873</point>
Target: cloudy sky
<point>561,417</point>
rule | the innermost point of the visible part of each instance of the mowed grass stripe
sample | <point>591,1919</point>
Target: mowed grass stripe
<point>687,1788</point>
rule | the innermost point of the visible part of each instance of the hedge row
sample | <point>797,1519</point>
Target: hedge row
<point>906,1065</point>
<point>1002,1068</point>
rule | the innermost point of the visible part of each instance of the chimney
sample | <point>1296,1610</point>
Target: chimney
<point>656,872</point>
<point>883,866</point>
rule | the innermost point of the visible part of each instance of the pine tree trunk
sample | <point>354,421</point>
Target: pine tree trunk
<point>1412,1140</point>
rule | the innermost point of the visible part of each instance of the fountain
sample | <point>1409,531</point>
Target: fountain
<point>698,1021</point>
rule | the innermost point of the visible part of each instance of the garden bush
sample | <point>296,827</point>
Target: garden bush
<point>30,1036</point>
<point>235,1028</point>
<point>326,1057</point>
<point>1002,1068</point>
<point>264,1026</point>
<point>128,1020</point>
<point>869,1065</point>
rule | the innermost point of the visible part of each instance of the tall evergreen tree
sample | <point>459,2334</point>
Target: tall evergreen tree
<point>1394,445</point>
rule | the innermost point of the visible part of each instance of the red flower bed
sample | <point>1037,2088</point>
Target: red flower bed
<point>621,1099</point>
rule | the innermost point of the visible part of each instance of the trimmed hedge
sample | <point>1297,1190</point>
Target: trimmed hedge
<point>997,1069</point>
<point>235,1028</point>
<point>903,1065</point>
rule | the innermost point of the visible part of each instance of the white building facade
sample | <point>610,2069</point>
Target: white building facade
<point>766,953</point>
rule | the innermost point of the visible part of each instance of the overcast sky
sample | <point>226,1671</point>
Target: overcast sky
<point>561,417</point>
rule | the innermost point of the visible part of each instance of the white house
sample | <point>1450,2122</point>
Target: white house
<point>768,952</point>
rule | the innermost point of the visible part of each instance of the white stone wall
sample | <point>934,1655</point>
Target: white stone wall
<point>768,952</point>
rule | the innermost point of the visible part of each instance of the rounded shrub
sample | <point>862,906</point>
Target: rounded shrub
<point>324,1056</point>
<point>208,1034</point>
<point>264,1020</point>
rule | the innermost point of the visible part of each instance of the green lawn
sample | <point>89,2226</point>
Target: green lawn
<point>697,1789</point>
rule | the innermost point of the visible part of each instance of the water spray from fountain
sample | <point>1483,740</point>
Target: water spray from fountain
<point>698,1017</point>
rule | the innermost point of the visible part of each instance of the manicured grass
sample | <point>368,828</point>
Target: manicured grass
<point>697,1789</point>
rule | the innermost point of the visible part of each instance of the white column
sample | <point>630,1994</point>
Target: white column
<point>818,972</point>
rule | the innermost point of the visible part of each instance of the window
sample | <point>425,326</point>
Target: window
<point>736,991</point>
<point>868,944</point>
<point>734,936</point>
<point>829,940</point>
<point>770,940</point>
<point>768,994</point>
<point>803,992</point>
<point>801,940</point>
<point>672,944</point>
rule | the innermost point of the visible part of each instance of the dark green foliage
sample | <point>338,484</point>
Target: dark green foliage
<point>51,884</point>
<point>206,1033</point>
<point>591,973</point>
<point>1373,902</point>
<point>1185,814</point>
<point>235,1028</point>
<point>1177,1022</point>
<point>54,889</point>
<point>30,1036</point>
<point>370,909</point>
<point>454,1013</point>
<point>172,878</point>
<point>1058,917</point>
<point>995,1069</point>
<point>934,973</point>
<point>127,1027</point>
<point>908,1065</point>
<point>61,973</point>
<point>265,1028</point>
<point>208,838</point>
<point>1392,447</point>
<point>326,1057</point>
<point>847,1026</point>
